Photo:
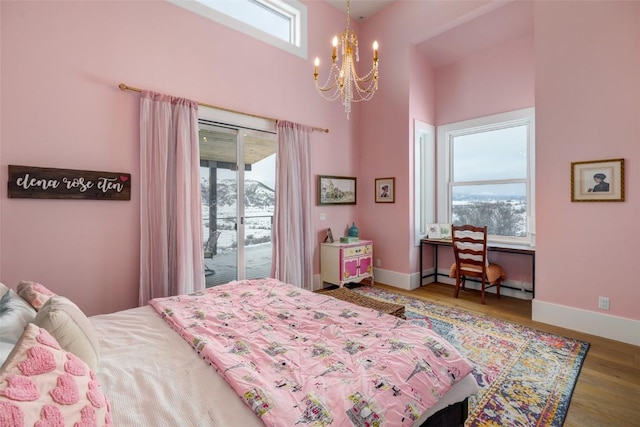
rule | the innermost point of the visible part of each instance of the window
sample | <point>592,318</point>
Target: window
<point>282,23</point>
<point>486,175</point>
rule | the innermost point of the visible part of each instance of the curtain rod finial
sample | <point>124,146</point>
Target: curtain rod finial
<point>122,86</point>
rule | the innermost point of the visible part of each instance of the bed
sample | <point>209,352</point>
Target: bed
<point>156,370</point>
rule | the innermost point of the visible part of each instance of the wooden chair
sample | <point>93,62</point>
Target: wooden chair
<point>470,251</point>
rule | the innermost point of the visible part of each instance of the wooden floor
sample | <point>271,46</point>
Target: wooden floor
<point>608,390</point>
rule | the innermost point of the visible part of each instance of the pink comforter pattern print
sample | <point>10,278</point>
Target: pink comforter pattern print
<point>301,358</point>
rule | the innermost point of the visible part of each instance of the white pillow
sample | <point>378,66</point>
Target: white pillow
<point>15,314</point>
<point>70,327</point>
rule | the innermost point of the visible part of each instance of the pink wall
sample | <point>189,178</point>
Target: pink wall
<point>587,108</point>
<point>421,107</point>
<point>1,163</point>
<point>490,82</point>
<point>61,64</point>
<point>580,71</point>
<point>60,107</point>
<point>385,133</point>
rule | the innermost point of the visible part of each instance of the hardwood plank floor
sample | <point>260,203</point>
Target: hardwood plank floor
<point>607,393</point>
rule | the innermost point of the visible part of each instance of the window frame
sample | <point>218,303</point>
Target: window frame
<point>424,136</point>
<point>444,141</point>
<point>293,9</point>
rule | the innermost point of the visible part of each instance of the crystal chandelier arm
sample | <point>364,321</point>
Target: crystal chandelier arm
<point>332,83</point>
<point>371,76</point>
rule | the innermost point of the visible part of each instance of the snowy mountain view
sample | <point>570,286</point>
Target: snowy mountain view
<point>504,215</point>
<point>259,201</point>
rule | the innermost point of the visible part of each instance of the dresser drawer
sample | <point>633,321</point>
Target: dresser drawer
<point>357,250</point>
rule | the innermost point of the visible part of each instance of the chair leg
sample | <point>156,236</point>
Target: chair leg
<point>455,293</point>
<point>498,288</point>
<point>482,292</point>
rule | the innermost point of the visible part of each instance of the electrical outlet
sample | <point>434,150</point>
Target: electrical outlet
<point>603,303</point>
<point>378,263</point>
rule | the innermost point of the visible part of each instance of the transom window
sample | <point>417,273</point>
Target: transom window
<point>282,23</point>
<point>486,175</point>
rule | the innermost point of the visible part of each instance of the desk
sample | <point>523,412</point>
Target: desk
<point>436,243</point>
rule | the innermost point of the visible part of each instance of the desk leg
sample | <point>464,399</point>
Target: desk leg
<point>533,276</point>
<point>421,276</point>
<point>435,261</point>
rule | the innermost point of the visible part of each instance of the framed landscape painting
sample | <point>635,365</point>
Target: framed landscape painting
<point>336,190</point>
<point>597,181</point>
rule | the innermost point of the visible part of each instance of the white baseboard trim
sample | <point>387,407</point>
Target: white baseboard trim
<point>514,290</point>
<point>393,278</point>
<point>590,322</point>
<point>410,282</point>
<point>317,283</point>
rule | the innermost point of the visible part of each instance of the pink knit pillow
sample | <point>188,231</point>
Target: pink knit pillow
<point>43,385</point>
<point>34,293</point>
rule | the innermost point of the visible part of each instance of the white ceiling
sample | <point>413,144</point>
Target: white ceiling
<point>494,28</point>
<point>361,9</point>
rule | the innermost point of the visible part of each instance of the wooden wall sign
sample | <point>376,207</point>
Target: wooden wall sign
<point>27,182</point>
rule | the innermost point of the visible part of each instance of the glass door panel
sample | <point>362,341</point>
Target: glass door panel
<point>237,202</point>
<point>218,185</point>
<point>259,202</point>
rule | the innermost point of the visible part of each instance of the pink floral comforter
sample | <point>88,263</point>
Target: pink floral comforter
<point>298,357</point>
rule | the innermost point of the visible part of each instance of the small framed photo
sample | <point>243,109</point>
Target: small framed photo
<point>439,231</point>
<point>445,231</point>
<point>433,231</point>
<point>597,181</point>
<point>385,189</point>
<point>336,190</point>
<point>329,238</point>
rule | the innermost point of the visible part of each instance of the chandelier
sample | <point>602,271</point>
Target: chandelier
<point>343,80</point>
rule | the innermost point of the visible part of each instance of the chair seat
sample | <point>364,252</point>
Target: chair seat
<point>495,272</point>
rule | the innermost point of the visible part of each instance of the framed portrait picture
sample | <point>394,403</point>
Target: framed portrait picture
<point>597,181</point>
<point>385,189</point>
<point>336,190</point>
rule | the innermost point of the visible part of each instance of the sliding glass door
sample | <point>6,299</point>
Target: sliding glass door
<point>237,177</point>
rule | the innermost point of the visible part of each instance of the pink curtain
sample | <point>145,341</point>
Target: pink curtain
<point>171,249</point>
<point>293,239</point>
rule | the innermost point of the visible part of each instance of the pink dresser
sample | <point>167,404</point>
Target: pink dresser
<point>342,263</point>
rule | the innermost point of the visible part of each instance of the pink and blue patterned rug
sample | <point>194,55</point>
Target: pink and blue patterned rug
<point>526,376</point>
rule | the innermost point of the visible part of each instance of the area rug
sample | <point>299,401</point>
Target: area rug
<point>526,376</point>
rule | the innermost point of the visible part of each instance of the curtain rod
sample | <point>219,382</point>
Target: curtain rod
<point>123,86</point>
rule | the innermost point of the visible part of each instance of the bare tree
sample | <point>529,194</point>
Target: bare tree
<point>502,218</point>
